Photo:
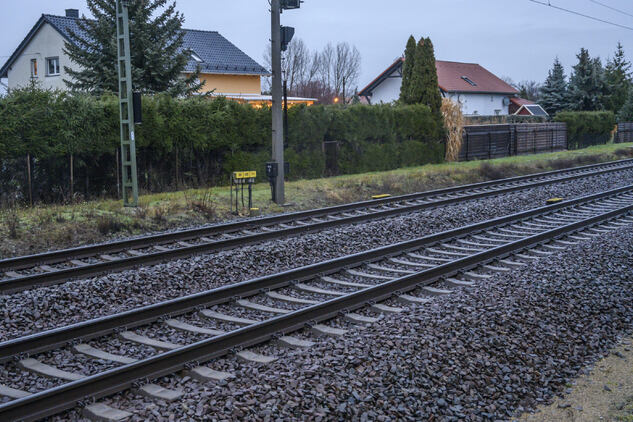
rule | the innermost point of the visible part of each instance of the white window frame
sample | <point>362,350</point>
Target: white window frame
<point>48,61</point>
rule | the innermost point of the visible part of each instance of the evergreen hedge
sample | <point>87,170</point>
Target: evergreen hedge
<point>586,128</point>
<point>198,141</point>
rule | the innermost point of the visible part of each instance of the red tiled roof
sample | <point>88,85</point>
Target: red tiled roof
<point>451,76</point>
<point>521,101</point>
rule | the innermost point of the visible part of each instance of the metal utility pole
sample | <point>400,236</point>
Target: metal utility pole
<point>278,131</point>
<point>128,144</point>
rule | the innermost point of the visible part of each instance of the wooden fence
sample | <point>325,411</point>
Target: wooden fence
<point>495,141</point>
<point>624,133</point>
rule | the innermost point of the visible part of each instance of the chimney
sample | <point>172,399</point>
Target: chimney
<point>72,13</point>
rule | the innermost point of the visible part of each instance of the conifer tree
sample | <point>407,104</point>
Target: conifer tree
<point>407,71</point>
<point>156,39</point>
<point>618,79</point>
<point>587,88</point>
<point>554,91</point>
<point>424,87</point>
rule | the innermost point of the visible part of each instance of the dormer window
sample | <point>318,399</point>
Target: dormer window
<point>467,79</point>
<point>196,57</point>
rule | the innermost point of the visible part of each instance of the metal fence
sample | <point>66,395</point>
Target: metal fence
<point>624,133</point>
<point>495,141</point>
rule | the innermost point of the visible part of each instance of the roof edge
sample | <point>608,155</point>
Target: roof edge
<point>4,70</point>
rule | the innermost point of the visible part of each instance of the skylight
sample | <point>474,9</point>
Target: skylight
<point>467,79</point>
<point>196,57</point>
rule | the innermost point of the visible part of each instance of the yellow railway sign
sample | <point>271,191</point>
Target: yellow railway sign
<point>239,175</point>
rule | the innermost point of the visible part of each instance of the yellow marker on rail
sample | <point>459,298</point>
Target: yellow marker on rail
<point>554,200</point>
<point>384,195</point>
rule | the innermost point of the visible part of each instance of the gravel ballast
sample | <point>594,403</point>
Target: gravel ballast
<point>487,353</point>
<point>74,301</point>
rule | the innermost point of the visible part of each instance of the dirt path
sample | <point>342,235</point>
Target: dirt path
<point>605,394</point>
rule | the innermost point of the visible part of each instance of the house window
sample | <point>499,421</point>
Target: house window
<point>33,68</point>
<point>52,66</point>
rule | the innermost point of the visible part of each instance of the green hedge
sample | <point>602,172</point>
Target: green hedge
<point>198,141</point>
<point>586,128</point>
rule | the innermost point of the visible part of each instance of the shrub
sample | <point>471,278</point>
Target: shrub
<point>585,128</point>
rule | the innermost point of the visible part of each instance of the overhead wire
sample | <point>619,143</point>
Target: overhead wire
<point>612,8</point>
<point>630,28</point>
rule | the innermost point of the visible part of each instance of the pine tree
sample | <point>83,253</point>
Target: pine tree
<point>407,71</point>
<point>626,111</point>
<point>554,91</point>
<point>618,79</point>
<point>156,39</point>
<point>587,87</point>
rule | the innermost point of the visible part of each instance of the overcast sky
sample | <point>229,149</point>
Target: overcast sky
<point>515,38</point>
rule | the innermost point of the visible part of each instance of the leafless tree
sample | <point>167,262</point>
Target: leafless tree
<point>316,74</point>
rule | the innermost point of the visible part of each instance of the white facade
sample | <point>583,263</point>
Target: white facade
<point>46,44</point>
<point>482,104</point>
<point>388,91</point>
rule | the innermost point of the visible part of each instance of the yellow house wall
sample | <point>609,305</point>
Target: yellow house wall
<point>232,84</point>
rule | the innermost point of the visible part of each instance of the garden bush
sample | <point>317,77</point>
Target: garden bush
<point>586,128</point>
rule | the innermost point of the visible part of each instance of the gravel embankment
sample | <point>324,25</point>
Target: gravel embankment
<point>487,353</point>
<point>54,306</point>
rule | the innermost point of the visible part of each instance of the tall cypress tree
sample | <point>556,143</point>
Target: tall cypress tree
<point>416,87</point>
<point>156,44</point>
<point>618,79</point>
<point>554,91</point>
<point>432,96</point>
<point>407,71</point>
<point>587,86</point>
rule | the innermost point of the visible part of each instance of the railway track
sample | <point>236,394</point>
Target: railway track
<point>26,272</point>
<point>192,331</point>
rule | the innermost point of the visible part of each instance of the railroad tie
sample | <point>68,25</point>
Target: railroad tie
<point>435,291</point>
<point>157,392</point>
<point>147,341</point>
<point>359,319</point>
<point>12,393</point>
<point>100,412</point>
<point>261,308</point>
<point>389,270</point>
<point>411,263</point>
<point>412,300</point>
<point>291,299</point>
<point>455,282</point>
<point>318,290</point>
<point>252,357</point>
<point>344,283</point>
<point>183,326</point>
<point>35,366</point>
<point>324,330</point>
<point>206,374</point>
<point>385,309</point>
<point>226,318</point>
<point>367,275</point>
<point>86,349</point>
<point>294,342</point>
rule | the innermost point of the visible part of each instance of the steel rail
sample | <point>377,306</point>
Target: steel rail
<point>64,397</point>
<point>59,276</point>
<point>145,241</point>
<point>86,330</point>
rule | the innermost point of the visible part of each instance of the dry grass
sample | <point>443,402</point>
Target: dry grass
<point>454,121</point>
<point>31,230</point>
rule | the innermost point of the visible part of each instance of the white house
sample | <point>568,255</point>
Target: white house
<point>477,90</point>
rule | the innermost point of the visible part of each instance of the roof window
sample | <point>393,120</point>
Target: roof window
<point>196,57</point>
<point>467,79</point>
